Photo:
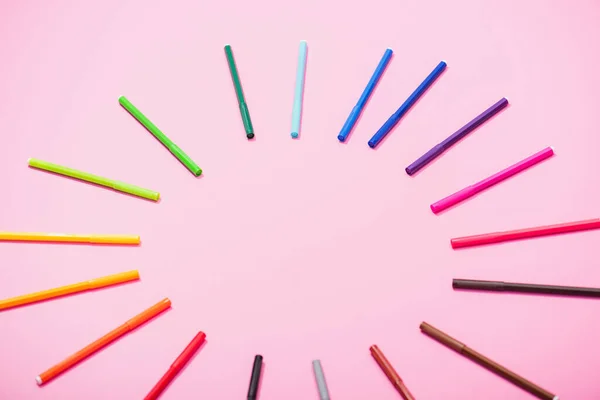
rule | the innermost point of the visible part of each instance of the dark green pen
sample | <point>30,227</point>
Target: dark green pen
<point>240,93</point>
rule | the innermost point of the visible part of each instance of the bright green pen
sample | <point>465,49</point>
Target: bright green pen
<point>168,143</point>
<point>98,180</point>
<point>239,93</point>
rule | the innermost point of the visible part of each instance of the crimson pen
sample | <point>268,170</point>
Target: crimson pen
<point>177,365</point>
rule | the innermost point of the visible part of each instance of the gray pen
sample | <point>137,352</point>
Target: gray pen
<point>320,378</point>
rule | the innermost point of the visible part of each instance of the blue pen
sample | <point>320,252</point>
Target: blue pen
<point>298,92</point>
<point>412,99</point>
<point>357,110</point>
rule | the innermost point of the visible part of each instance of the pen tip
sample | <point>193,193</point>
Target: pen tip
<point>250,135</point>
<point>294,135</point>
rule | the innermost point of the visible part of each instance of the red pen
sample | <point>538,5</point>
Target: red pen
<point>496,237</point>
<point>177,365</point>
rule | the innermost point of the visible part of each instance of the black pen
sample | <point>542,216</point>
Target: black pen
<point>255,377</point>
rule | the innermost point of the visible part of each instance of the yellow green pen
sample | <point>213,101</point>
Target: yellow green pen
<point>98,180</point>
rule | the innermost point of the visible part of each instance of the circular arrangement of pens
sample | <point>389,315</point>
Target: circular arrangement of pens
<point>438,206</point>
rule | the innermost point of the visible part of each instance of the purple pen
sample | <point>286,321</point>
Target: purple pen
<point>455,137</point>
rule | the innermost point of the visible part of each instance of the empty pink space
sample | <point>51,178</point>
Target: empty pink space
<point>298,249</point>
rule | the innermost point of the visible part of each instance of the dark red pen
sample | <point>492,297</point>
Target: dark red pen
<point>391,373</point>
<point>177,365</point>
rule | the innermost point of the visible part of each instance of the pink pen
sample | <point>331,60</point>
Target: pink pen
<point>491,181</point>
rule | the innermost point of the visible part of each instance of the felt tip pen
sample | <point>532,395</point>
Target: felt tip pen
<point>486,363</point>
<point>497,237</point>
<point>104,341</point>
<point>239,92</point>
<point>68,238</point>
<point>412,99</point>
<point>533,288</point>
<point>362,101</point>
<point>490,181</point>
<point>391,373</point>
<point>98,180</point>
<point>158,134</point>
<point>320,379</point>
<point>91,284</point>
<point>185,356</point>
<point>299,90</point>
<point>255,377</point>
<point>456,136</point>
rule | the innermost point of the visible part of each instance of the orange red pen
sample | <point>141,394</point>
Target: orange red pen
<point>110,337</point>
<point>185,356</point>
<point>69,289</point>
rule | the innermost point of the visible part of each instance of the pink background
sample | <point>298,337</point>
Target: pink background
<point>298,249</point>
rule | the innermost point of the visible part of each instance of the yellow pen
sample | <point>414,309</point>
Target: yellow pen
<point>70,289</point>
<point>68,238</point>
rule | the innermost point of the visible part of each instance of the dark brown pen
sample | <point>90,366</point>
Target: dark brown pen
<point>485,362</point>
<point>391,373</point>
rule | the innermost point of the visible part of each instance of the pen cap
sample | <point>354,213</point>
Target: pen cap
<point>135,190</point>
<point>120,239</point>
<point>442,337</point>
<point>148,314</point>
<point>477,285</point>
<point>115,279</point>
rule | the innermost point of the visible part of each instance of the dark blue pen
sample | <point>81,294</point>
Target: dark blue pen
<point>357,110</point>
<point>412,99</point>
<point>455,137</point>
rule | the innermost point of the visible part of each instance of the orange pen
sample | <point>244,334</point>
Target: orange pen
<point>110,337</point>
<point>69,289</point>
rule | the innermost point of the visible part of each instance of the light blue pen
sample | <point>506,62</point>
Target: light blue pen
<point>299,91</point>
<point>357,110</point>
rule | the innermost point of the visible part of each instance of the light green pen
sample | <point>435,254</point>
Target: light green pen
<point>98,180</point>
<point>157,133</point>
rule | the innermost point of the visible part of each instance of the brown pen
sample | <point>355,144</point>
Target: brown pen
<point>391,373</point>
<point>485,362</point>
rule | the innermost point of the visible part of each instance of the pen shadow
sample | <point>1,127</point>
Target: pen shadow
<point>69,295</point>
<point>187,364</point>
<point>410,110</point>
<point>107,346</point>
<point>368,100</point>
<point>163,145</point>
<point>488,188</point>
<point>437,158</point>
<point>302,98</point>
<point>97,185</point>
